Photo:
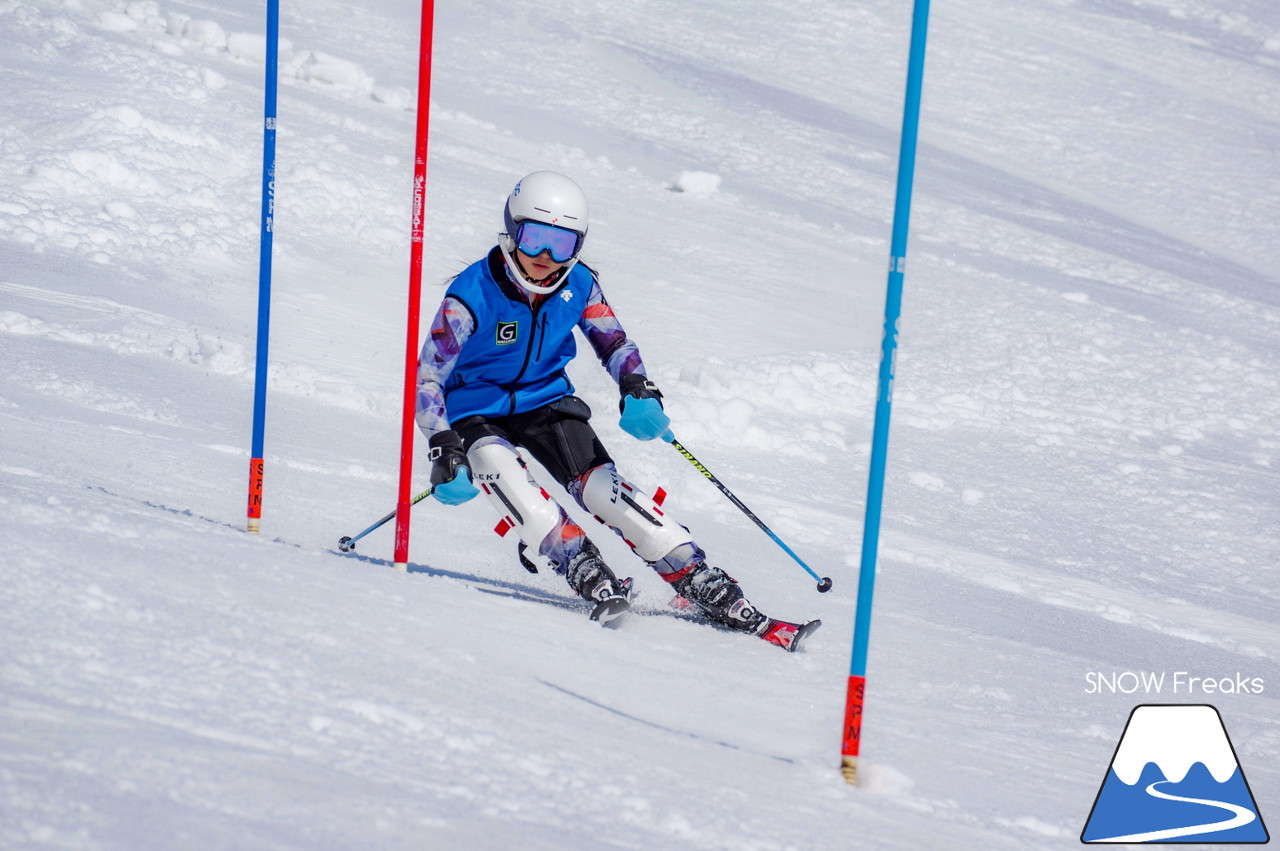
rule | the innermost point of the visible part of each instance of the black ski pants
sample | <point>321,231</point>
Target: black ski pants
<point>559,436</point>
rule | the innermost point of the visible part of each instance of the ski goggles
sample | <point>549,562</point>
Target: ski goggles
<point>533,238</point>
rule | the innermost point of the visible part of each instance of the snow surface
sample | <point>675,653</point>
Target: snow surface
<point>1083,472</point>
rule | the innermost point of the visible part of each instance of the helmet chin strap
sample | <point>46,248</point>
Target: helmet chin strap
<point>521,279</point>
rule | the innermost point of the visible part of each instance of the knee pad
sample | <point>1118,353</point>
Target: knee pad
<point>632,514</point>
<point>498,471</point>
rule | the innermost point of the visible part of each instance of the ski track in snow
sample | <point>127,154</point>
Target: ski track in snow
<point>1082,470</point>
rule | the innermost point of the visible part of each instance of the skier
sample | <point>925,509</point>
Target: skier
<point>491,378</point>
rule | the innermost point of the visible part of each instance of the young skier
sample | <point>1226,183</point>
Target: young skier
<point>491,378</point>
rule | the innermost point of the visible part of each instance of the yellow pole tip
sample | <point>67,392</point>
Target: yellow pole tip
<point>255,525</point>
<point>849,768</point>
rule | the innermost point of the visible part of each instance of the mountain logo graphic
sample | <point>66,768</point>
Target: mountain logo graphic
<point>1175,778</point>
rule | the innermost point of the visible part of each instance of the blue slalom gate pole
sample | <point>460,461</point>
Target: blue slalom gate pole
<point>884,396</point>
<point>256,464</point>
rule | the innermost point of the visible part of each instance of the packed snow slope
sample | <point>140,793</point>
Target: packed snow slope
<point>1083,471</point>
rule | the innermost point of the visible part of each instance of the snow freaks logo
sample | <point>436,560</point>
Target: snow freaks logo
<point>1175,778</point>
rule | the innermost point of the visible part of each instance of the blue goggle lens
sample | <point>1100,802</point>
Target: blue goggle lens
<point>532,238</point>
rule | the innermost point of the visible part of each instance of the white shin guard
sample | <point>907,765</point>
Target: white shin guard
<point>497,469</point>
<point>632,513</point>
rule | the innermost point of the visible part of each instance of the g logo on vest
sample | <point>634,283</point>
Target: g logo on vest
<point>507,333</point>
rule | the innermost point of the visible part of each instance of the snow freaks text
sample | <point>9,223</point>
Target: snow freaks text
<point>1173,683</point>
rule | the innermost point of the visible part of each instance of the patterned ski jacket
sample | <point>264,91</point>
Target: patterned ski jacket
<point>491,352</point>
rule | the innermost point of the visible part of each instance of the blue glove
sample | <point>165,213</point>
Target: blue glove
<point>458,491</point>
<point>450,477</point>
<point>641,406</point>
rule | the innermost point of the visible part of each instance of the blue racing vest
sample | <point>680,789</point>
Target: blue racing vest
<point>515,359</point>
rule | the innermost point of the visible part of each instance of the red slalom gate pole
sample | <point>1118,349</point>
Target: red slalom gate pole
<point>407,426</point>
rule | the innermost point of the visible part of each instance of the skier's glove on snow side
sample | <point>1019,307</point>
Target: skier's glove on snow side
<point>450,476</point>
<point>641,406</point>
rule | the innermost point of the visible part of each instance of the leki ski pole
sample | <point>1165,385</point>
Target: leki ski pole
<point>347,543</point>
<point>824,582</point>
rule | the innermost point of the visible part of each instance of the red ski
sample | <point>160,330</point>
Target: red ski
<point>786,635</point>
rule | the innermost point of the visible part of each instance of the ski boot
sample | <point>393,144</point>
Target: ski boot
<point>718,595</point>
<point>592,579</point>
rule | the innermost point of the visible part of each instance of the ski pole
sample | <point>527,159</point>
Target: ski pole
<point>824,582</point>
<point>347,543</point>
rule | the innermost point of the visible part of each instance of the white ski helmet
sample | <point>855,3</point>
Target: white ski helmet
<point>552,199</point>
